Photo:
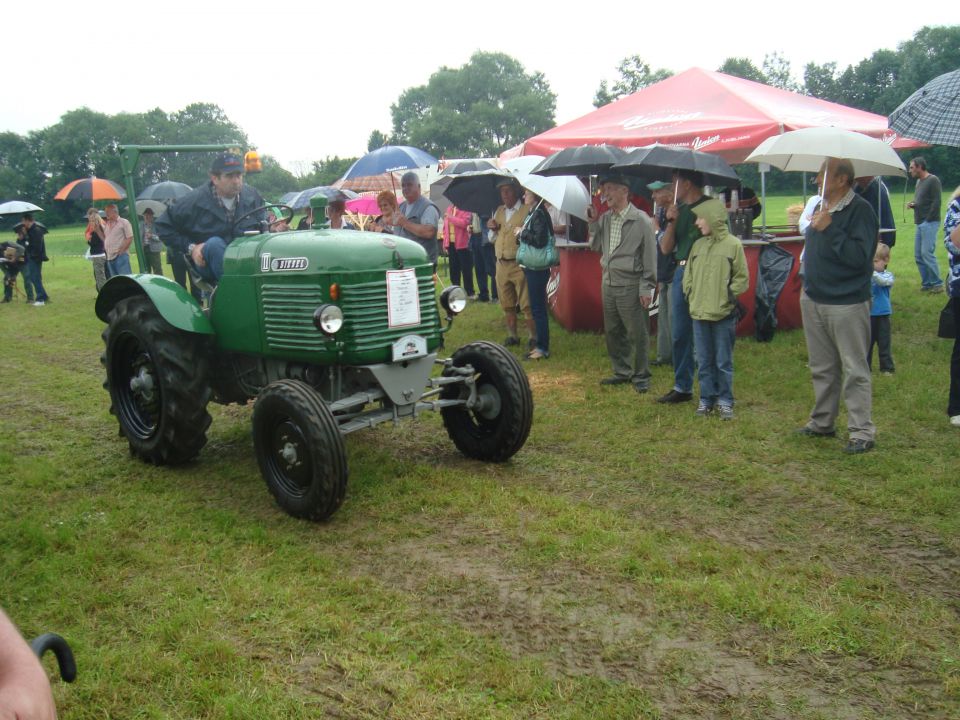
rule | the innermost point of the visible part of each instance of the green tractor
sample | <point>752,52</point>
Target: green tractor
<point>329,332</point>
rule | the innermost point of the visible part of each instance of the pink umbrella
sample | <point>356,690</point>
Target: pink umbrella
<point>364,205</point>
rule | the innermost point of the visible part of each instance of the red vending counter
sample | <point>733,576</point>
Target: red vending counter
<point>574,289</point>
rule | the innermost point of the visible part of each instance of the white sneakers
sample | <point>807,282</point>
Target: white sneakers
<point>955,421</point>
<point>39,303</point>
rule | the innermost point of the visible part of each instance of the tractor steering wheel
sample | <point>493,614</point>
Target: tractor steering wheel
<point>288,219</point>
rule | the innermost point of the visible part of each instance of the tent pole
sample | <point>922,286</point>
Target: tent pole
<point>763,192</point>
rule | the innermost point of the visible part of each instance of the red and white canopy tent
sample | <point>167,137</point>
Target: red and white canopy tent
<point>706,111</point>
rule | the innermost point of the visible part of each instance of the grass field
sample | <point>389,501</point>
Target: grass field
<point>632,561</point>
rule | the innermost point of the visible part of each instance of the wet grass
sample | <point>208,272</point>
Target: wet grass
<point>631,561</point>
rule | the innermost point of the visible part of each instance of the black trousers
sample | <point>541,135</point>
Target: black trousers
<point>461,268</point>
<point>953,405</point>
<point>880,336</point>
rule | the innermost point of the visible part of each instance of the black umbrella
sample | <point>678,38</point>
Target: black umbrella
<point>476,191</point>
<point>658,162</point>
<point>458,167</point>
<point>582,160</point>
<point>166,192</point>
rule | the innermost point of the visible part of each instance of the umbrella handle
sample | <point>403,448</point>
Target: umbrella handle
<point>60,648</point>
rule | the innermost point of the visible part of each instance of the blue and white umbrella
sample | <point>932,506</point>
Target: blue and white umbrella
<point>389,159</point>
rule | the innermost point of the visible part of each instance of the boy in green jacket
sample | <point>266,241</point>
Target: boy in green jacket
<point>716,273</point>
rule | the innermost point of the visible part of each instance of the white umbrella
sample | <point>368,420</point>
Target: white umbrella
<point>806,150</point>
<point>564,192</point>
<point>158,208</point>
<point>522,164</point>
<point>16,207</point>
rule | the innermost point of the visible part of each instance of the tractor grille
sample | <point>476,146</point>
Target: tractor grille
<point>365,314</point>
<point>288,316</point>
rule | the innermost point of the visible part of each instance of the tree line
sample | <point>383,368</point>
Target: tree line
<point>487,105</point>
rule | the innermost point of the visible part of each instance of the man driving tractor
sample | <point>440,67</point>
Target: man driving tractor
<point>203,222</point>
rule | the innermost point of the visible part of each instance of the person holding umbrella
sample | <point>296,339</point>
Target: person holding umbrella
<point>625,238</point>
<point>838,264</point>
<point>504,227</point>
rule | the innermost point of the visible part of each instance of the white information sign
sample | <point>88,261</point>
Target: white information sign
<point>403,298</point>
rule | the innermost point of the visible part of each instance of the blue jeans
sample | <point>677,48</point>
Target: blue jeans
<point>213,250</point>
<point>925,253</point>
<point>33,281</point>
<point>681,327</point>
<point>714,345</point>
<point>120,265</point>
<point>537,291</point>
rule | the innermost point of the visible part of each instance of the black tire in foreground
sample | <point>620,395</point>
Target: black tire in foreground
<point>300,450</point>
<point>499,426</point>
<point>157,380</point>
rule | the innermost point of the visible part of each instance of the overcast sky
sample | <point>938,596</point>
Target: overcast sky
<point>307,80</point>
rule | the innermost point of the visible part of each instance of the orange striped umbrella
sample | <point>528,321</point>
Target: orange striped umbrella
<point>91,188</point>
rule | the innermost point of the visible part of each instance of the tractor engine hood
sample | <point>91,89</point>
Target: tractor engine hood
<point>325,251</point>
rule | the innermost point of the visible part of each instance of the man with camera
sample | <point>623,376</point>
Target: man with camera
<point>11,260</point>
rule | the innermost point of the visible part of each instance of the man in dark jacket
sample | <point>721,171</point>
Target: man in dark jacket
<point>838,258</point>
<point>875,192</point>
<point>36,254</point>
<point>203,222</point>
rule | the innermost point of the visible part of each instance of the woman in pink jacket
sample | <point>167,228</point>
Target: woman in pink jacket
<point>456,239</point>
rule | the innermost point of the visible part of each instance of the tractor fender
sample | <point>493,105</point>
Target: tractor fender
<point>173,302</point>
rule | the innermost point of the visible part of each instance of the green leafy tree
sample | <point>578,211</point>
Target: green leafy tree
<point>481,108</point>
<point>776,70</point>
<point>377,140</point>
<point>635,74</point>
<point>821,81</point>
<point>742,67</point>
<point>327,171</point>
<point>273,180</point>
<point>200,124</point>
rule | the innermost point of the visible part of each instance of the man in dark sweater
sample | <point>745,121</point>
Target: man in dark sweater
<point>926,216</point>
<point>838,260</point>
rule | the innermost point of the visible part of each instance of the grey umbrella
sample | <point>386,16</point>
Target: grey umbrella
<point>932,113</point>
<point>658,162</point>
<point>166,192</point>
<point>302,200</point>
<point>458,167</point>
<point>581,160</point>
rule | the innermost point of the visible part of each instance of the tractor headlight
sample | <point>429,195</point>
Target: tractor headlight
<point>328,319</point>
<point>453,299</point>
